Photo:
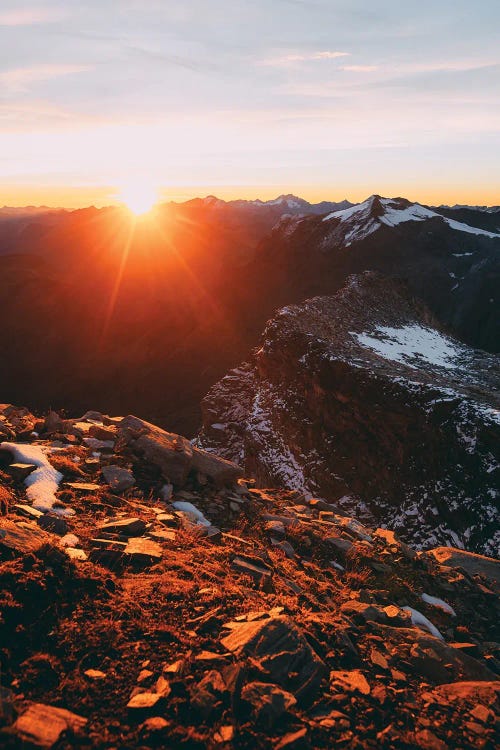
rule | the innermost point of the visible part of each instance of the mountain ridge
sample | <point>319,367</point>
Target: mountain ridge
<point>368,368</point>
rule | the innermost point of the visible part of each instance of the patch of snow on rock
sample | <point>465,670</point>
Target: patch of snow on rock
<point>43,483</point>
<point>411,344</point>
<point>192,512</point>
<point>421,621</point>
<point>435,601</point>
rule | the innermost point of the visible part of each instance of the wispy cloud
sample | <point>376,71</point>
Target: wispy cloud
<point>29,16</point>
<point>305,57</point>
<point>20,79</point>
<point>359,68</point>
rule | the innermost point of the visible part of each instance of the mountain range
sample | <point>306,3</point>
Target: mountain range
<point>102,310</point>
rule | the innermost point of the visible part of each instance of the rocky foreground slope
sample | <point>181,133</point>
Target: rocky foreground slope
<point>149,596</point>
<point>362,399</point>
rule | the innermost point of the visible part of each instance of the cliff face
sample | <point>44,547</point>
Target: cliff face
<point>361,399</point>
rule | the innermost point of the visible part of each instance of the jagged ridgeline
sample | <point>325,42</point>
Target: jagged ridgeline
<point>150,596</point>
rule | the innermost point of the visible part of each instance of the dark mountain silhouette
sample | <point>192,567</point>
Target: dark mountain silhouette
<point>145,315</point>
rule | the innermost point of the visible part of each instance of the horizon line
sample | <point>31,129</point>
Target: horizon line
<point>99,205</point>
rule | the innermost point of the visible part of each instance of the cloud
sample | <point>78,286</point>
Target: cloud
<point>359,68</point>
<point>305,57</point>
<point>29,16</point>
<point>20,79</point>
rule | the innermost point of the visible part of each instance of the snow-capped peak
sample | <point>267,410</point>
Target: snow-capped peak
<point>364,218</point>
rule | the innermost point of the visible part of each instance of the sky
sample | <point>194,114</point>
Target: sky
<point>328,99</point>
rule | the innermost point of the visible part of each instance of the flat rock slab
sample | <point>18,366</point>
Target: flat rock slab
<point>349,681</point>
<point>143,552</point>
<point>102,433</point>
<point>253,566</point>
<point>21,538</point>
<point>27,510</point>
<point>340,545</point>
<point>108,543</point>
<point>42,726</point>
<point>118,478</point>
<point>167,519</point>
<point>470,562</point>
<point>125,526</point>
<point>280,650</point>
<point>74,553</point>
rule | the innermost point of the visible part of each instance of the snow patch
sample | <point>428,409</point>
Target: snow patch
<point>43,483</point>
<point>435,601</point>
<point>192,512</point>
<point>411,345</point>
<point>421,621</point>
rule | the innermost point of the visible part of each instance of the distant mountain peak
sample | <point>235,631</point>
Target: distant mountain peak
<point>362,219</point>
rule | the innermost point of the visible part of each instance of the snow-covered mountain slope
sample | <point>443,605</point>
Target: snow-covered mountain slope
<point>362,219</point>
<point>451,264</point>
<point>361,399</point>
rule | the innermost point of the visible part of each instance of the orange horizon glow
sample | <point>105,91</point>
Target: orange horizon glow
<point>141,196</point>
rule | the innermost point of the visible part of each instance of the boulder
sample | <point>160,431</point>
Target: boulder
<point>472,563</point>
<point>269,702</point>
<point>280,650</point>
<point>53,523</point>
<point>206,694</point>
<point>118,478</point>
<point>218,469</point>
<point>21,538</point>
<point>431,657</point>
<point>42,726</point>
<point>53,423</point>
<point>173,454</point>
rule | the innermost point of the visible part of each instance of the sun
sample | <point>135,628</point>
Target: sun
<point>139,197</point>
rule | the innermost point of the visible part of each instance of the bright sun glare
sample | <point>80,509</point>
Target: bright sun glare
<point>139,197</point>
